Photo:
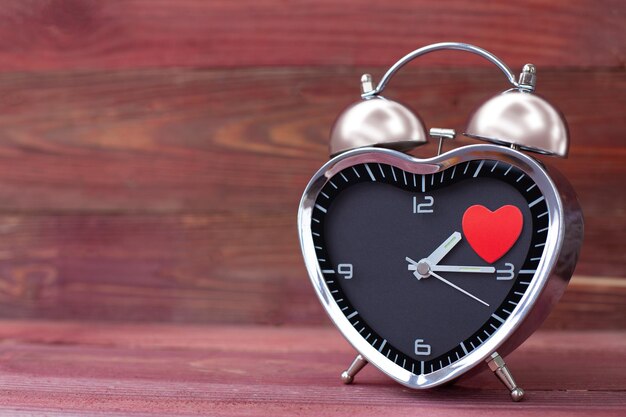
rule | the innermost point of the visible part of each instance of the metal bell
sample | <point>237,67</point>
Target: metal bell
<point>376,121</point>
<point>522,119</point>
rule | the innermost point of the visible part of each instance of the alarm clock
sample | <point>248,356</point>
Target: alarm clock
<point>437,268</point>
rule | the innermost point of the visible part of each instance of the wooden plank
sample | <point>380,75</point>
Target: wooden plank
<point>104,369</point>
<point>63,34</point>
<point>590,303</point>
<point>195,268</point>
<point>152,195</point>
<point>167,268</point>
<point>169,141</point>
<point>245,143</point>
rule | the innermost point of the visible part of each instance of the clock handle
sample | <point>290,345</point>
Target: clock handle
<point>526,82</point>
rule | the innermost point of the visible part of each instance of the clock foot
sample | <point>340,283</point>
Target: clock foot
<point>498,366</point>
<point>355,367</point>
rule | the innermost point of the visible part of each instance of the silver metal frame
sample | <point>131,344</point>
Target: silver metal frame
<point>553,272</point>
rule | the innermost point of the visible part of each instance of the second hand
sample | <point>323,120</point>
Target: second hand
<point>458,288</point>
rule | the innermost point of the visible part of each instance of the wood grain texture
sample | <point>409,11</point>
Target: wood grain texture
<point>171,141</point>
<point>171,194</point>
<point>168,141</point>
<point>196,268</point>
<point>73,368</point>
<point>91,34</point>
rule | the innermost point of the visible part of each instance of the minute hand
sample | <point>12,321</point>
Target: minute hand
<point>444,248</point>
<point>455,268</point>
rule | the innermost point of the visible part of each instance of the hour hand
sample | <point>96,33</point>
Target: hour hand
<point>444,248</point>
<point>455,268</point>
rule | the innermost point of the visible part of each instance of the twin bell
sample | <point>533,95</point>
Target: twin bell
<point>516,117</point>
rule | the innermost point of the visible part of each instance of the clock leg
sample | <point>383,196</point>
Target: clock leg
<point>355,367</point>
<point>498,366</point>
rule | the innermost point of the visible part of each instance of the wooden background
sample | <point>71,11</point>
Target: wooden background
<point>153,153</point>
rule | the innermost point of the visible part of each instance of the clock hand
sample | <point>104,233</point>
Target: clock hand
<point>444,248</point>
<point>449,268</point>
<point>458,288</point>
<point>413,267</point>
<point>455,268</point>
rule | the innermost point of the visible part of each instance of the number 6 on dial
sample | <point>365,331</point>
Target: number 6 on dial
<point>422,349</point>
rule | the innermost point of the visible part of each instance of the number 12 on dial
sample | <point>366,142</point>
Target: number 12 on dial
<point>423,206</point>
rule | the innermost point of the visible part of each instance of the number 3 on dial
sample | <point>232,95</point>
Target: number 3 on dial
<point>506,274</point>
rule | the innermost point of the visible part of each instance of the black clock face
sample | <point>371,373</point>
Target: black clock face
<point>427,267</point>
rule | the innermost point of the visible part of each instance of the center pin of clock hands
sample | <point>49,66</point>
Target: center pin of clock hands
<point>426,267</point>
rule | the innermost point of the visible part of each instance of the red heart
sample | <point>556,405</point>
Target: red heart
<point>492,233</point>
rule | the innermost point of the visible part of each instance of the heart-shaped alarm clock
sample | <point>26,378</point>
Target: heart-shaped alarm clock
<point>432,267</point>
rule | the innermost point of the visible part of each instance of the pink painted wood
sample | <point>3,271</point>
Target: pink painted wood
<point>71,34</point>
<point>74,368</point>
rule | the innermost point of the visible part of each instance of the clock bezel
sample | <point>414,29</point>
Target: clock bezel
<point>521,313</point>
